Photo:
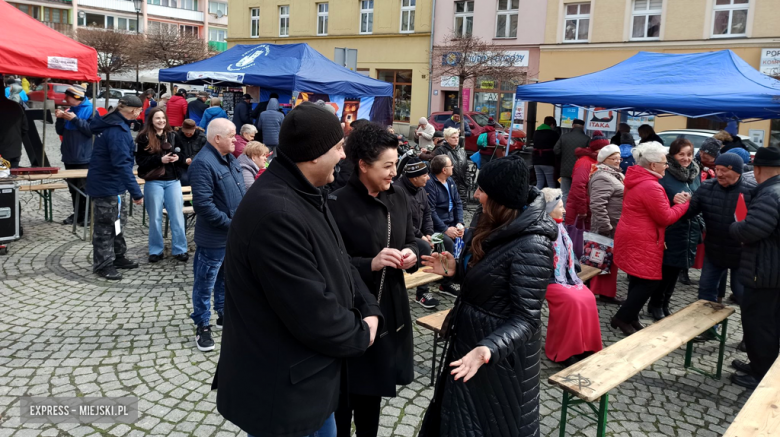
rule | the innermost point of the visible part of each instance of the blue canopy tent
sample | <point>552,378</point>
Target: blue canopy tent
<point>287,68</point>
<point>717,85</point>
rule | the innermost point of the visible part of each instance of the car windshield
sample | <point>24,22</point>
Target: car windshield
<point>60,88</point>
<point>480,119</point>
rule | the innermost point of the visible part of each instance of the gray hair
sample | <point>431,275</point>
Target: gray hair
<point>248,128</point>
<point>448,132</point>
<point>438,163</point>
<point>220,126</point>
<point>649,152</point>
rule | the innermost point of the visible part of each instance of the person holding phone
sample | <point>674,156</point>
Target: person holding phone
<point>160,165</point>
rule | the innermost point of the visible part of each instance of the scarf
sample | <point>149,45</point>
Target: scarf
<point>615,172</point>
<point>82,111</point>
<point>682,174</point>
<point>565,273</point>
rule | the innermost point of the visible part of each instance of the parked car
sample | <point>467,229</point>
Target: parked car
<point>56,93</point>
<point>477,122</point>
<point>114,94</point>
<point>697,137</point>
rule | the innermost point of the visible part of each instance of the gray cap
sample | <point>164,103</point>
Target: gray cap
<point>131,101</point>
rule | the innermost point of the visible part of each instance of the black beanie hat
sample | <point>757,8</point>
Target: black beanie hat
<point>308,132</point>
<point>415,167</point>
<point>767,157</point>
<point>505,180</point>
<point>732,161</point>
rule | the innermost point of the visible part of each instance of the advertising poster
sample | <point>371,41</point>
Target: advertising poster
<point>519,117</point>
<point>602,119</point>
<point>568,115</point>
<point>757,136</point>
<point>466,99</point>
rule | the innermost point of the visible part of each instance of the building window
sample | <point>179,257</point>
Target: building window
<point>494,98</point>
<point>284,20</point>
<point>188,30</point>
<point>322,19</point>
<point>108,22</point>
<point>729,18</point>
<point>506,19</point>
<point>402,92</point>
<point>218,8</point>
<point>218,35</point>
<point>464,19</point>
<point>407,15</point>
<point>646,23</point>
<point>366,16</point>
<point>254,22</point>
<point>52,15</point>
<point>577,22</point>
<point>190,5</point>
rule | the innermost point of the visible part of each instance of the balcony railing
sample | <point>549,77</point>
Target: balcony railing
<point>60,27</point>
<point>164,11</point>
<point>114,5</point>
<point>218,46</point>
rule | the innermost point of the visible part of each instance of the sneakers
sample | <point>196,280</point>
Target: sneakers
<point>110,273</point>
<point>155,258</point>
<point>742,366</point>
<point>203,339</point>
<point>183,257</point>
<point>427,301</point>
<point>220,320</point>
<point>123,263</point>
<point>449,290</point>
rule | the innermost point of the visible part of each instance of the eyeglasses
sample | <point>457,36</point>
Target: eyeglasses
<point>664,163</point>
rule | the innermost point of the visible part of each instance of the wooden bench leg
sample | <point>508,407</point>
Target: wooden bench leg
<point>48,213</point>
<point>603,414</point>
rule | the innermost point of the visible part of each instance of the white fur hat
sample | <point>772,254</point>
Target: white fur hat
<point>606,152</point>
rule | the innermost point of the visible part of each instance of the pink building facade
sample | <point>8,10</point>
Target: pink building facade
<point>516,24</point>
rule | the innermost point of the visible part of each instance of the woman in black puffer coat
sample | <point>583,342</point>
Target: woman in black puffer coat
<point>494,331</point>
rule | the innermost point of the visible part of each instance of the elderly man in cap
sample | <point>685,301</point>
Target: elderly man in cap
<point>242,113</point>
<point>110,176</point>
<point>759,234</point>
<point>197,107</point>
<point>412,182</point>
<point>564,149</point>
<point>73,126</point>
<point>291,292</point>
<point>190,140</point>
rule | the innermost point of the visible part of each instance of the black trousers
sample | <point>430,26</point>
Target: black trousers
<point>761,325</point>
<point>639,290</point>
<point>425,249</point>
<point>663,294</point>
<point>366,410</point>
<point>81,184</point>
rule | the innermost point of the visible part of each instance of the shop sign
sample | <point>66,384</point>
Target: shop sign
<point>770,62</point>
<point>487,84</point>
<point>510,58</point>
<point>602,119</point>
<point>450,81</point>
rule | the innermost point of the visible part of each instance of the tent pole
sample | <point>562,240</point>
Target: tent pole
<point>45,108</point>
<point>430,60</point>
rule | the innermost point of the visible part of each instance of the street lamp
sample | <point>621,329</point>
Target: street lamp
<point>137,5</point>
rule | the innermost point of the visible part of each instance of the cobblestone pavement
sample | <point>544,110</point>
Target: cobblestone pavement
<point>65,332</point>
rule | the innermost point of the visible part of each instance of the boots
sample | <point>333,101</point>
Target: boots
<point>684,279</point>
<point>665,307</point>
<point>623,326</point>
<point>656,312</point>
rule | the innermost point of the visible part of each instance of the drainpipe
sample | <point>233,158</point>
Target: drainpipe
<point>430,60</point>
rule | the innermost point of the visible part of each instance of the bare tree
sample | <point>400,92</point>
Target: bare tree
<point>116,51</point>
<point>470,58</point>
<point>168,47</point>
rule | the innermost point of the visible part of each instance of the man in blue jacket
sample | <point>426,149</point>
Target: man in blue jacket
<point>73,126</point>
<point>454,122</point>
<point>110,176</point>
<point>213,113</point>
<point>446,209</point>
<point>270,123</point>
<point>217,189</point>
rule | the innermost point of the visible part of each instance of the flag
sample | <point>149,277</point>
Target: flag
<point>741,211</point>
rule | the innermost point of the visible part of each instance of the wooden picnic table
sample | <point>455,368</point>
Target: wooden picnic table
<point>760,416</point>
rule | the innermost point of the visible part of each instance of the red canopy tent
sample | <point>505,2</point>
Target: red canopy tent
<point>30,48</point>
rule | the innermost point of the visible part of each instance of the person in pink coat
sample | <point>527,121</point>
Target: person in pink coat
<point>578,202</point>
<point>639,238</point>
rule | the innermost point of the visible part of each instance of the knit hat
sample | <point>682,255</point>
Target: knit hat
<point>456,111</point>
<point>551,198</point>
<point>131,101</point>
<point>423,121</point>
<point>415,167</point>
<point>308,132</point>
<point>606,152</point>
<point>577,121</point>
<point>731,161</point>
<point>76,91</point>
<point>767,157</point>
<point>598,140</point>
<point>711,146</point>
<point>491,121</point>
<point>505,180</point>
<point>742,153</point>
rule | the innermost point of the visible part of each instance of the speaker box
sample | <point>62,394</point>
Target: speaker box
<point>9,211</point>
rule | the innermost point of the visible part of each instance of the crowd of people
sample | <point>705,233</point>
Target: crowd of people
<point>306,257</point>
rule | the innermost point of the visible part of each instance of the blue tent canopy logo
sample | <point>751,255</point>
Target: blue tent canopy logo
<point>249,57</point>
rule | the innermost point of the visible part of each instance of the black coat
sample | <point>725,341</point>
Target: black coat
<point>417,199</point>
<point>13,129</point>
<point>190,146</point>
<point>544,142</point>
<point>760,237</point>
<point>148,161</point>
<point>500,307</point>
<point>716,205</point>
<point>293,309</point>
<point>242,114</point>
<point>362,220</point>
<point>683,237</point>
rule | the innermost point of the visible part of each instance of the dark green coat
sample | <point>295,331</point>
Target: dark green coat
<point>683,236</point>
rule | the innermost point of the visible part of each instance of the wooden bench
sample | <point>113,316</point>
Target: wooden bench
<point>434,321</point>
<point>591,379</point>
<point>760,416</point>
<point>45,191</point>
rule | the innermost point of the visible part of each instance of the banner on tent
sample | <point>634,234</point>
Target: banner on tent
<point>217,76</point>
<point>348,109</point>
<point>602,119</point>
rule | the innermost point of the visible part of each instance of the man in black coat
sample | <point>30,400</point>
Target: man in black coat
<point>13,128</point>
<point>295,307</point>
<point>545,138</point>
<point>760,237</point>
<point>412,182</point>
<point>190,140</point>
<point>242,114</point>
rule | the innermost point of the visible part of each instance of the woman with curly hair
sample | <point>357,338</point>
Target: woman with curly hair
<point>376,226</point>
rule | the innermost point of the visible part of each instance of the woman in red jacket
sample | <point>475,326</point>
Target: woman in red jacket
<point>639,239</point>
<point>578,203</point>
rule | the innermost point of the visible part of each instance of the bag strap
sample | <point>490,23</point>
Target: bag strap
<point>384,269</point>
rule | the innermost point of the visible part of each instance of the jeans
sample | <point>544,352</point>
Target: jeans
<point>565,187</point>
<point>209,272</point>
<point>713,280</point>
<point>156,195</point>
<point>544,173</point>
<point>328,429</point>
